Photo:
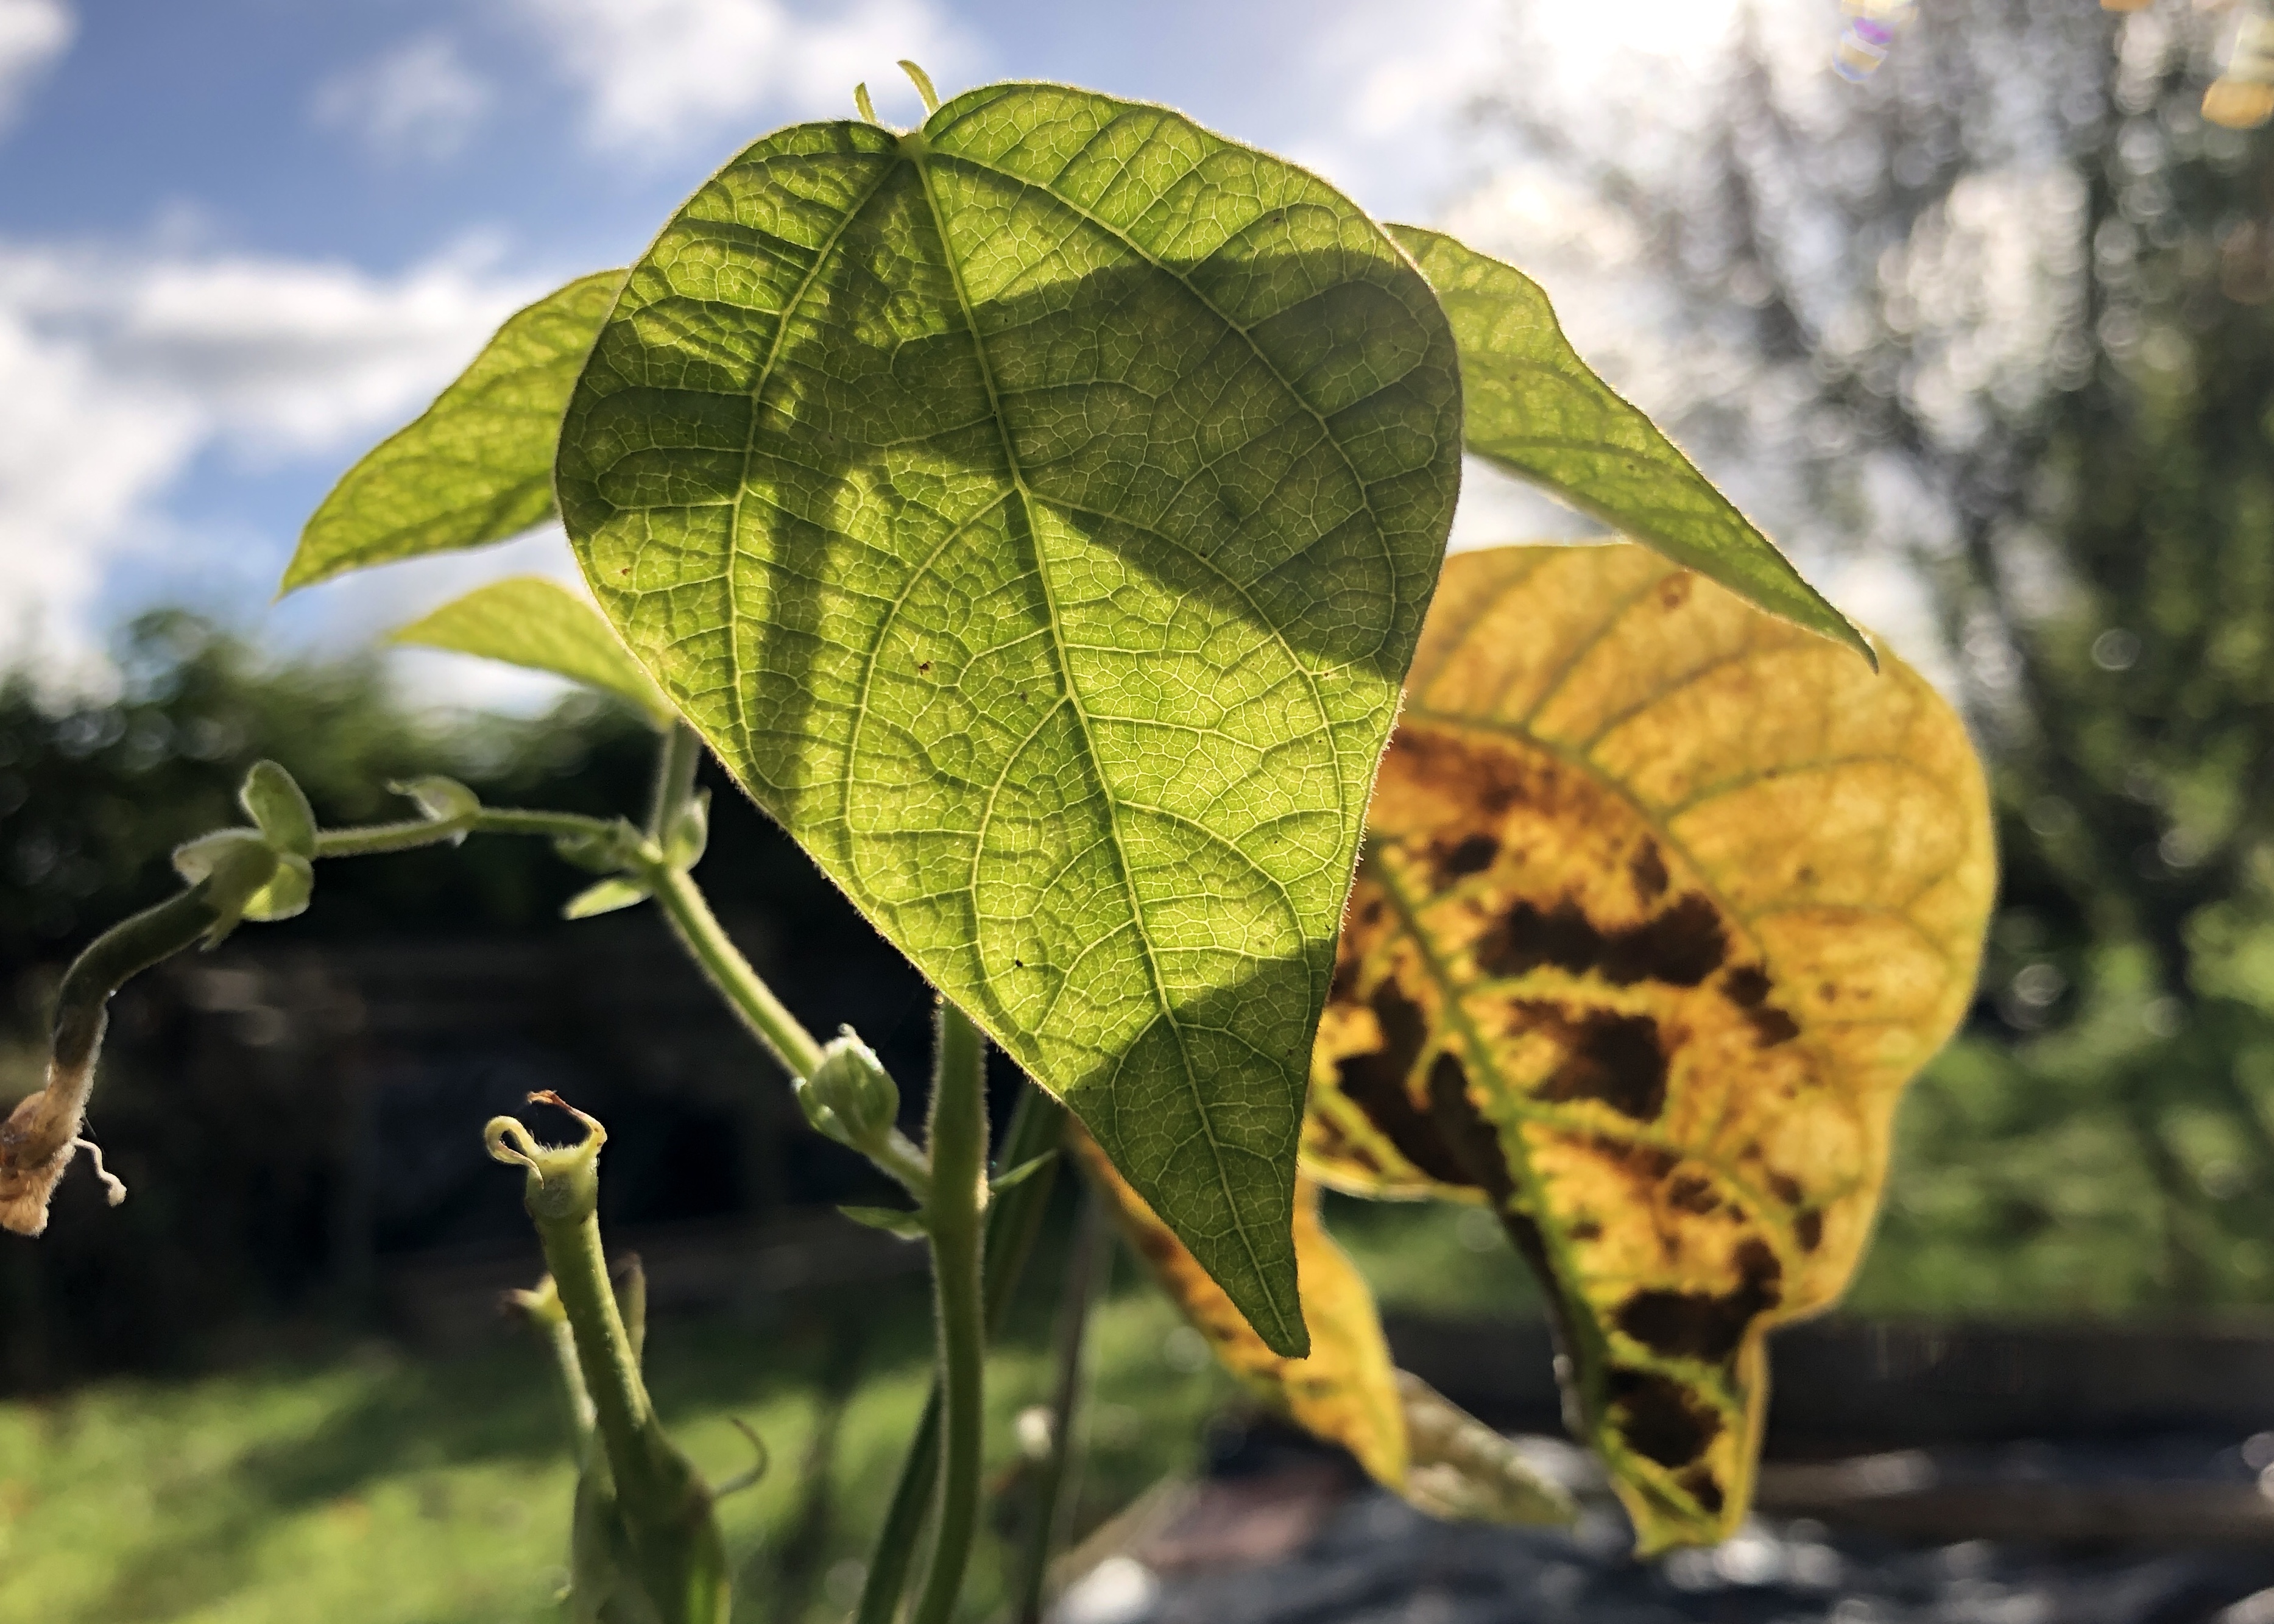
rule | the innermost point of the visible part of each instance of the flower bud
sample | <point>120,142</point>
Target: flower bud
<point>850,1096</point>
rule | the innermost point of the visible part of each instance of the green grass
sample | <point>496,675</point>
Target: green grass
<point>380,1490</point>
<point>377,1488</point>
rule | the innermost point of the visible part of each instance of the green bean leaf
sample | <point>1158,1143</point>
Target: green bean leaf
<point>476,466</point>
<point>1036,513</point>
<point>1533,407</point>
<point>540,625</point>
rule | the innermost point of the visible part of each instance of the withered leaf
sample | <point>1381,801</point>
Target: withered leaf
<point>1663,902</point>
<point>1407,1437</point>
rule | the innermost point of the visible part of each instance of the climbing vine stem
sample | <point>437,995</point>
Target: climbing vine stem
<point>1014,1219</point>
<point>958,1185</point>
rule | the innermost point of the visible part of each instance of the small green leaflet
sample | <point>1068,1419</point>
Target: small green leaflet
<point>1535,408</point>
<point>607,897</point>
<point>528,620</point>
<point>477,467</point>
<point>1036,513</point>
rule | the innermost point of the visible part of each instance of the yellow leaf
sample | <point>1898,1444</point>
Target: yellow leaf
<point>1664,900</point>
<point>1408,1437</point>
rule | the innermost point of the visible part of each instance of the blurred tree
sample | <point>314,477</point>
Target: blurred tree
<point>2005,312</point>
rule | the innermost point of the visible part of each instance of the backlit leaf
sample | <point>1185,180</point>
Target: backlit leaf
<point>1534,408</point>
<point>476,466</point>
<point>1036,513</point>
<point>1664,901</point>
<point>1346,1391</point>
<point>609,896</point>
<point>539,624</point>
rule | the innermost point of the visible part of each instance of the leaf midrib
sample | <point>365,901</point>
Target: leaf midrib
<point>1072,699</point>
<point>1246,334</point>
<point>1450,989</point>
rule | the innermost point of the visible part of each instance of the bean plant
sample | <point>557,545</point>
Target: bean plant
<point>1042,513</point>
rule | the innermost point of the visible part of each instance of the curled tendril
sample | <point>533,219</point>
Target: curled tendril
<point>521,1153</point>
<point>758,1470</point>
<point>595,1135</point>
<point>114,1188</point>
<point>509,1142</point>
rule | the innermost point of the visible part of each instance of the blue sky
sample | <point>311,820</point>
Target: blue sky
<point>242,240</point>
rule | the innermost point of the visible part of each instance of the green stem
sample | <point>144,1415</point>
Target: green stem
<point>1086,1266</point>
<point>376,839</point>
<point>675,765</point>
<point>581,1415</point>
<point>1013,1220</point>
<point>106,964</point>
<point>958,1185</point>
<point>555,825</point>
<point>707,942</point>
<point>604,1349</point>
<point>671,1535</point>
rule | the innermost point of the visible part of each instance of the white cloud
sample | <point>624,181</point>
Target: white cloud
<point>657,73</point>
<point>1390,103</point>
<point>117,369</point>
<point>33,34</point>
<point>418,101</point>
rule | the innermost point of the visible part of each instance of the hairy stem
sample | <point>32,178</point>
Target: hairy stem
<point>106,964</point>
<point>377,839</point>
<point>959,1186</point>
<point>604,1348</point>
<point>675,765</point>
<point>1014,1219</point>
<point>1087,1264</point>
<point>706,942</point>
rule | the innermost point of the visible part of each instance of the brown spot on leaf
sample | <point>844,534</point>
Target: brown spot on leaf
<point>1644,1161</point>
<point>1771,1026</point>
<point>1470,1142</point>
<point>1617,1059</point>
<point>1647,869</point>
<point>1674,591</point>
<point>1707,1493</point>
<point>1377,1084</point>
<point>1658,1418</point>
<point>1785,1188</point>
<point>1472,855</point>
<point>1746,985</point>
<point>1681,946</point>
<point>1461,772</point>
<point>1700,1325</point>
<point>1808,1229</point>
<point>1692,1194</point>
<point>1524,939</point>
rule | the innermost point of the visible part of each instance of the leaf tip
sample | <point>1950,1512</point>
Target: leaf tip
<point>1280,1322</point>
<point>862,105</point>
<point>299,573</point>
